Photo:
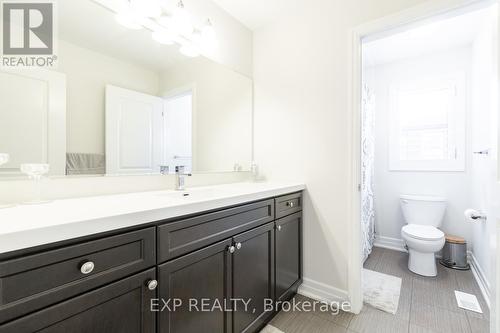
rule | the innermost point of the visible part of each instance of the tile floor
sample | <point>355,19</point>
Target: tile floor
<point>426,305</point>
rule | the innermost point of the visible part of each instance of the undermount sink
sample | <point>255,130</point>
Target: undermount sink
<point>189,194</point>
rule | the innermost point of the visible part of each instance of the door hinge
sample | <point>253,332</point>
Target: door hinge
<point>359,187</point>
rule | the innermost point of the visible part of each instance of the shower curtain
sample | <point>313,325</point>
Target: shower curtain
<point>367,172</point>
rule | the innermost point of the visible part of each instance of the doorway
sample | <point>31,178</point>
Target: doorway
<point>437,139</point>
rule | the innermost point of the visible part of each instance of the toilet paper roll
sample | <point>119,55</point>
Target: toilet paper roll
<point>474,215</point>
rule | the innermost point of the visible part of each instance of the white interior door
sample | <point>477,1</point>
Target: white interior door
<point>178,122</point>
<point>133,132</point>
<point>33,119</point>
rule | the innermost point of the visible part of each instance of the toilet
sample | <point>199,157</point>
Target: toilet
<point>423,215</point>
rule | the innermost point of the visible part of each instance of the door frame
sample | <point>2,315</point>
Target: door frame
<point>425,12</point>
<point>180,91</point>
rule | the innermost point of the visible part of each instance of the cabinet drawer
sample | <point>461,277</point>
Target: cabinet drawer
<point>288,204</point>
<point>32,282</point>
<point>178,238</point>
<point>123,307</point>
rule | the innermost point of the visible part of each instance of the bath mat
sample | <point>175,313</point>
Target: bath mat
<point>381,290</point>
<point>271,329</point>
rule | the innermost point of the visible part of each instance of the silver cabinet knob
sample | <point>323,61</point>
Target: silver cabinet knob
<point>152,284</point>
<point>290,204</point>
<point>238,246</point>
<point>279,228</point>
<point>87,267</point>
<point>231,249</point>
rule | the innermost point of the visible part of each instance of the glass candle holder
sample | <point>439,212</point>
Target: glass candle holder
<point>36,172</point>
<point>4,159</point>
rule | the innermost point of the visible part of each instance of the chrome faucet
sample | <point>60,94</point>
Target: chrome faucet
<point>180,181</point>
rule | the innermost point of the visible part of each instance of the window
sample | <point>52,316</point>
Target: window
<point>428,125</point>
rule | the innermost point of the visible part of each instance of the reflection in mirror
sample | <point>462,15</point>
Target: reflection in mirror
<point>119,102</point>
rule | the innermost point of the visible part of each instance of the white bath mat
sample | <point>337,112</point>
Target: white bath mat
<point>467,301</point>
<point>271,329</point>
<point>381,290</point>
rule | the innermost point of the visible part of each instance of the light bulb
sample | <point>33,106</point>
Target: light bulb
<point>165,21</point>
<point>208,39</point>
<point>182,21</point>
<point>189,51</point>
<point>163,37</point>
<point>128,20</point>
<point>208,32</point>
<point>146,8</point>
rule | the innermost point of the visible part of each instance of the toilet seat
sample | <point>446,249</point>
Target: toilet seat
<point>422,232</point>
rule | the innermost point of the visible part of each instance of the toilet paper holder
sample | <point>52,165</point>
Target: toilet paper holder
<point>475,215</point>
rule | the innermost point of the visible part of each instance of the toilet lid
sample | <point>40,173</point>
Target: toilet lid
<point>423,232</point>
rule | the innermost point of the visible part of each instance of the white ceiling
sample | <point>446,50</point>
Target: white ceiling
<point>254,13</point>
<point>429,38</point>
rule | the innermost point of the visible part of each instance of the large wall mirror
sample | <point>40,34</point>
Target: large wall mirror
<point>119,102</point>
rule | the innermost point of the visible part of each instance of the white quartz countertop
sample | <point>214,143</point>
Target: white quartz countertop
<point>26,226</point>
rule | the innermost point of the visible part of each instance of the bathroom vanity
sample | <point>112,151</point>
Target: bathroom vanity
<point>248,246</point>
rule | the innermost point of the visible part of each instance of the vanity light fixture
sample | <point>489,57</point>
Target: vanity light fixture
<point>127,19</point>
<point>146,8</point>
<point>167,29</point>
<point>181,22</point>
<point>189,50</point>
<point>162,36</point>
<point>208,40</point>
<point>133,12</point>
<point>208,32</point>
<point>166,21</point>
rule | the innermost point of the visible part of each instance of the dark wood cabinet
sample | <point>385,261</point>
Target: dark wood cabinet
<point>123,306</point>
<point>253,277</point>
<point>288,255</point>
<point>201,275</point>
<point>202,267</point>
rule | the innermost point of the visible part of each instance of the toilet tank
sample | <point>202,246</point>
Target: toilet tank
<point>423,210</point>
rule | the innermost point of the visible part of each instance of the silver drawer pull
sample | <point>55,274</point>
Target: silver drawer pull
<point>279,228</point>
<point>290,204</point>
<point>231,249</point>
<point>238,246</point>
<point>87,267</point>
<point>152,284</point>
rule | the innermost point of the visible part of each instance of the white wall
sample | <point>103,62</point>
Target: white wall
<point>222,118</point>
<point>388,185</point>
<point>484,193</point>
<point>301,73</point>
<point>87,73</point>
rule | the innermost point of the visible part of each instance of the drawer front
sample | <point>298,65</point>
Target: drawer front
<point>288,204</point>
<point>181,237</point>
<point>122,306</point>
<point>32,282</point>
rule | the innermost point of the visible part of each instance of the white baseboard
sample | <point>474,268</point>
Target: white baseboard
<point>480,277</point>
<point>390,243</point>
<point>322,292</point>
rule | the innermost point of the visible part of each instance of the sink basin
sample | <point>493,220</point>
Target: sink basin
<point>196,194</point>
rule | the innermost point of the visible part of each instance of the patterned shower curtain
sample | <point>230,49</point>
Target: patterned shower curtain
<point>367,173</point>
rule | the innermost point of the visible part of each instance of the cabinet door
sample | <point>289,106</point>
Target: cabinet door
<point>288,255</point>
<point>202,276</point>
<point>121,307</point>
<point>253,277</point>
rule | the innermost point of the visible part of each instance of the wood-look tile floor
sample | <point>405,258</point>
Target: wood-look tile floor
<point>426,305</point>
